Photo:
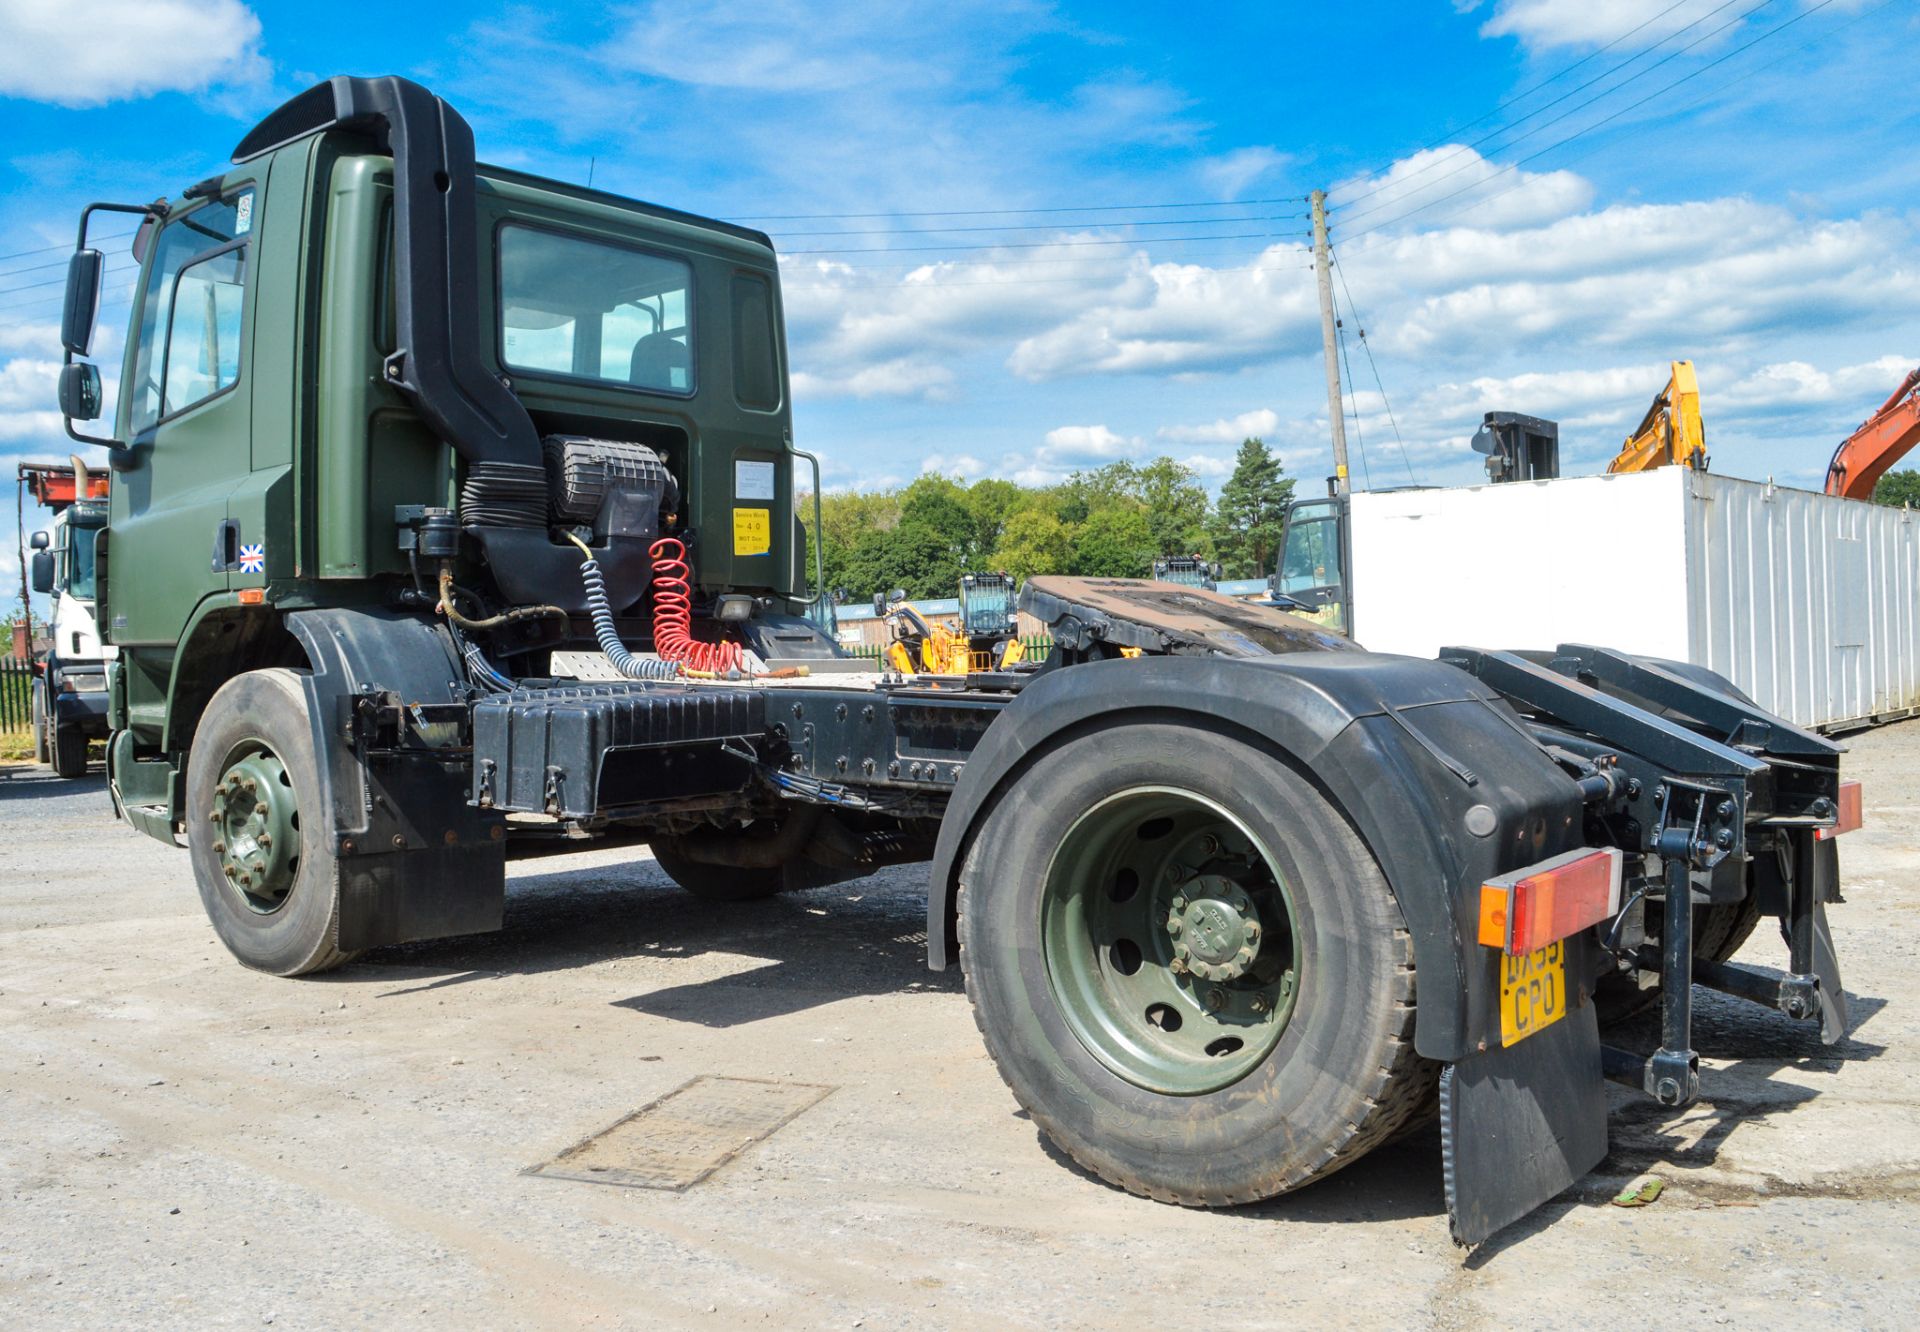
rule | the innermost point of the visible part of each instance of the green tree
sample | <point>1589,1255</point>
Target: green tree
<point>909,555</point>
<point>1898,488</point>
<point>939,504</point>
<point>1033,541</point>
<point>1176,507</point>
<point>1253,504</point>
<point>992,501</point>
<point>1115,542</point>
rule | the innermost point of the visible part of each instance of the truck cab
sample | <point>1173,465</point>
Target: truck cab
<point>70,697</point>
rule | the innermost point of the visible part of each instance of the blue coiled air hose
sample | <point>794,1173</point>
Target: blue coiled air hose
<point>627,663</point>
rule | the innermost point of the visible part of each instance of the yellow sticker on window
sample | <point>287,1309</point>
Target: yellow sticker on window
<point>752,531</point>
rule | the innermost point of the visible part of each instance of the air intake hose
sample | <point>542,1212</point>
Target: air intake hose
<point>504,494</point>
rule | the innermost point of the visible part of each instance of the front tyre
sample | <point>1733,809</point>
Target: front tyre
<point>1188,968</point>
<point>257,835</point>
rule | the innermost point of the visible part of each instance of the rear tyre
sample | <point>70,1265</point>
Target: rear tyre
<point>255,830</point>
<point>716,883</point>
<point>69,751</point>
<point>1188,968</point>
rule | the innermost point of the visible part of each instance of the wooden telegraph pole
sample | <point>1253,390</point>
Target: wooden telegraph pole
<point>1329,339</point>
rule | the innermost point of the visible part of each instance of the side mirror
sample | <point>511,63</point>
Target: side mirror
<point>80,391</point>
<point>43,571</point>
<point>880,604</point>
<point>898,594</point>
<point>40,541</point>
<point>83,301</point>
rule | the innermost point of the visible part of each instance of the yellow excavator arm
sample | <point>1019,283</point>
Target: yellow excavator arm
<point>1671,431</point>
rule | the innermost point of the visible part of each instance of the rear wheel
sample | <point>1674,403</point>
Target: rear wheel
<point>716,883</point>
<point>259,842</point>
<point>1188,968</point>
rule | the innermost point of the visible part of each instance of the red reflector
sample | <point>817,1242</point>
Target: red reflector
<point>1530,908</point>
<point>1849,817</point>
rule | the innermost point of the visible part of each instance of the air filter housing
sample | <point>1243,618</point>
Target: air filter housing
<point>613,486</point>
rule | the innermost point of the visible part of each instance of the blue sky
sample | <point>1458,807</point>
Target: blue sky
<point>1537,203</point>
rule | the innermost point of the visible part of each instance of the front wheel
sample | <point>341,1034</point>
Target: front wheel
<point>260,844</point>
<point>1188,967</point>
<point>69,746</point>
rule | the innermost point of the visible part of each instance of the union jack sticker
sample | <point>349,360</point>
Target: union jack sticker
<point>253,559</point>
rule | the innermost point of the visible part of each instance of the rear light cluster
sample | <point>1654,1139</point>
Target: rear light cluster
<point>1531,908</point>
<point>1848,817</point>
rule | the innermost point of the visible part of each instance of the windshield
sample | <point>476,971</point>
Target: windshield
<point>80,562</point>
<point>587,309</point>
<point>1311,557</point>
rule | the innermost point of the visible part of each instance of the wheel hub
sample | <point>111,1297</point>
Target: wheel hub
<point>1215,928</point>
<point>256,829</point>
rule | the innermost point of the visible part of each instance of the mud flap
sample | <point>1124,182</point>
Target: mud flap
<point>1521,1124</point>
<point>1818,942</point>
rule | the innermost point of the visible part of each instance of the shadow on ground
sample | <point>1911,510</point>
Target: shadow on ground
<point>862,938</point>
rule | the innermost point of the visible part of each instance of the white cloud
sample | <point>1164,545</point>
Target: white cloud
<point>1542,24</point>
<point>1482,193</point>
<point>889,379</point>
<point>100,51</point>
<point>1230,174</point>
<point>963,465</point>
<point>1262,423</point>
<point>1798,384</point>
<point>27,409</point>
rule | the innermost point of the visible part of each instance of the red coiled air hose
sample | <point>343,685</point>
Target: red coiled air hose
<point>673,636</point>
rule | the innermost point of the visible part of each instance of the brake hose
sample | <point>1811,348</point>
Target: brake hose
<point>505,617</point>
<point>632,666</point>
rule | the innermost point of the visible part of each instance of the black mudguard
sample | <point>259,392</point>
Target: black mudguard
<point>1432,768</point>
<point>416,860</point>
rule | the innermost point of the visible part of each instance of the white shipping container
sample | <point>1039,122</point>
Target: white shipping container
<point>1809,603</point>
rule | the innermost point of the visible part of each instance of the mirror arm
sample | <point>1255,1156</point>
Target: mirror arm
<point>157,209</point>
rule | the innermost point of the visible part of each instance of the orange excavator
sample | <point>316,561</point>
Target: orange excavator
<point>1880,442</point>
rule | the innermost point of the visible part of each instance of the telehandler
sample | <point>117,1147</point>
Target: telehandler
<point>408,450</point>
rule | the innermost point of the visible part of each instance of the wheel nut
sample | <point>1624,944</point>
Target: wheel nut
<point>1258,1003</point>
<point>219,847</point>
<point>265,839</point>
<point>260,808</point>
<point>1175,925</point>
<point>1179,903</point>
<point>1177,967</point>
<point>1216,998</point>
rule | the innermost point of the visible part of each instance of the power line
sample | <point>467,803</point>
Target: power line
<point>1607,120</point>
<point>1367,347</point>
<point>1033,245</point>
<point>1020,212</point>
<point>1576,109</point>
<point>1528,91</point>
<point>49,249</point>
<point>1571,92</point>
<point>1049,226</point>
<point>1011,282</point>
<point>1359,440</point>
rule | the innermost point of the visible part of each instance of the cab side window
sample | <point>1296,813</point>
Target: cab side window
<point>188,346</point>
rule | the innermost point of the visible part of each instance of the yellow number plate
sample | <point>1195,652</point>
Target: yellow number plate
<point>1533,992</point>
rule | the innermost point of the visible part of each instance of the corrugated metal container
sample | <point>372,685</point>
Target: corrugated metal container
<point>1809,603</point>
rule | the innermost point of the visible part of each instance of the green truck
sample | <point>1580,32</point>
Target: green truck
<point>443,493</point>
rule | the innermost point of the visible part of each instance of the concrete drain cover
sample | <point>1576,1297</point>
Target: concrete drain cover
<point>686,1135</point>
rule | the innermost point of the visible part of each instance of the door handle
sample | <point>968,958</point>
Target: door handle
<point>226,545</point>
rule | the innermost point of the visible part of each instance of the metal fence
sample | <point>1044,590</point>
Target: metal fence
<point>16,694</point>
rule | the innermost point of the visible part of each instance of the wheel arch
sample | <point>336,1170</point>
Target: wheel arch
<point>1342,720</point>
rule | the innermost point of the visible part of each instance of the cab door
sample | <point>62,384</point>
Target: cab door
<point>186,415</point>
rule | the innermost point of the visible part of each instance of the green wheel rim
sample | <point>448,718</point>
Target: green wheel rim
<point>1170,940</point>
<point>256,827</point>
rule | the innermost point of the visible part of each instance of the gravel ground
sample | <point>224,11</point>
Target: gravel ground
<point>187,1144</point>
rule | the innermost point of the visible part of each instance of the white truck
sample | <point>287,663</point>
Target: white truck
<point>70,695</point>
<point>1808,602</point>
